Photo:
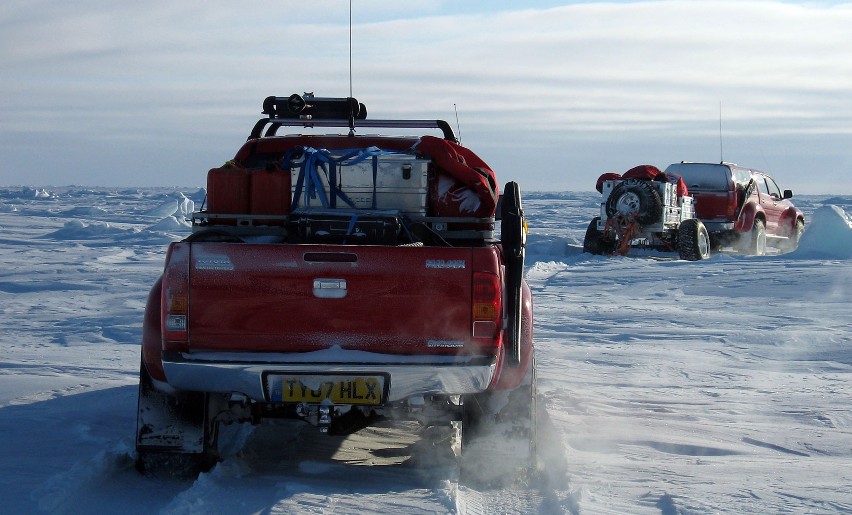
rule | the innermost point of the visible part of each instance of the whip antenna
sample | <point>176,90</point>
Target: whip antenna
<point>350,48</point>
<point>721,153</point>
<point>458,125</point>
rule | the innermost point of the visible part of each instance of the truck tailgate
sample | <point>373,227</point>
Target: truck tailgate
<point>295,298</point>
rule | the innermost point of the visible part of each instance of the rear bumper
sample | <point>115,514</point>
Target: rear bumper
<point>246,373</point>
<point>718,227</point>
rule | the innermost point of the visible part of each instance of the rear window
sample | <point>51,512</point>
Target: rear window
<point>700,176</point>
<point>741,176</point>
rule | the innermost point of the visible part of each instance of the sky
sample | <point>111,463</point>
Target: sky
<point>551,94</point>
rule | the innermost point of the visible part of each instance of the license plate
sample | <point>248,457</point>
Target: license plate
<point>318,388</point>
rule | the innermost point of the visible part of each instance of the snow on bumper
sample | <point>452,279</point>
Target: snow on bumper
<point>245,373</point>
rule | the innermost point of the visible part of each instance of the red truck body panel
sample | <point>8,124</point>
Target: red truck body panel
<point>298,298</point>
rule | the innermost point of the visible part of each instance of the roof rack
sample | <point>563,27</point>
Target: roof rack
<point>310,111</point>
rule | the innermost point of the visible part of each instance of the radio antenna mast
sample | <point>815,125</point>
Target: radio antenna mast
<point>458,125</point>
<point>721,153</point>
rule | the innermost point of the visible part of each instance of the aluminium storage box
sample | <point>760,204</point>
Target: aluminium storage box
<point>398,182</point>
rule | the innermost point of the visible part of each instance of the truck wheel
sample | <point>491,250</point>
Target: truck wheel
<point>635,197</point>
<point>498,435</point>
<point>174,435</point>
<point>754,241</point>
<point>693,241</point>
<point>596,241</point>
<point>792,242</point>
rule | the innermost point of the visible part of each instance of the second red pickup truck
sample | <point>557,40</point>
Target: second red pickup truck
<point>340,279</point>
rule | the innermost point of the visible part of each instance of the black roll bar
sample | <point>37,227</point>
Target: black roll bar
<point>275,124</point>
<point>310,111</point>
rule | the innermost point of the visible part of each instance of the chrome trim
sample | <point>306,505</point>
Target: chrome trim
<point>718,226</point>
<point>444,343</point>
<point>409,375</point>
<point>446,263</point>
<point>330,288</point>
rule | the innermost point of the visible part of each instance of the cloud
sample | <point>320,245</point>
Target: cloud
<point>177,85</point>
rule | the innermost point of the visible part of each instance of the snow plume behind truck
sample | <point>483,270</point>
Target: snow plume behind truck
<point>340,279</point>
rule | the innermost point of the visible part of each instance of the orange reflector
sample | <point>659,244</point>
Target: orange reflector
<point>177,304</point>
<point>482,311</point>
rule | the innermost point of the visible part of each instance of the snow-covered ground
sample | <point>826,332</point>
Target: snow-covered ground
<point>671,387</point>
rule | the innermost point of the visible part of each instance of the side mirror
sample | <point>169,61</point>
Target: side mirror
<point>788,193</point>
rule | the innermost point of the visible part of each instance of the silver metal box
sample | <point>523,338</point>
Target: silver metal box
<point>398,182</point>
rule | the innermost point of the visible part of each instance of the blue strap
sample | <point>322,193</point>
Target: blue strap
<point>322,159</point>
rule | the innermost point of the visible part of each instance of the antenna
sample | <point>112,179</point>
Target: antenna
<point>350,48</point>
<point>458,125</point>
<point>721,153</point>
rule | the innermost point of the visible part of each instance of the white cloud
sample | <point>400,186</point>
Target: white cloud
<point>625,75</point>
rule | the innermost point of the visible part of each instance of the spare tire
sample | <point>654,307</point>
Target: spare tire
<point>635,197</point>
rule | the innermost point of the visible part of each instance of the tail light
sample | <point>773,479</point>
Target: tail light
<point>733,205</point>
<point>174,304</point>
<point>487,306</point>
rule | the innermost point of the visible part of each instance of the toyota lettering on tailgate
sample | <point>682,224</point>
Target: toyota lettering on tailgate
<point>445,263</point>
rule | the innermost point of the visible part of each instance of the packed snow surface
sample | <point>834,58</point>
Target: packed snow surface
<point>670,387</point>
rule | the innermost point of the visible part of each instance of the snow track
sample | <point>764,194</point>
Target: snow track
<point>669,387</point>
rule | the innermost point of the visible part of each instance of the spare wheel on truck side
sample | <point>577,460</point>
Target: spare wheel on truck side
<point>635,197</point>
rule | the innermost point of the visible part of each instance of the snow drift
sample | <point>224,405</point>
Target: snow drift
<point>668,386</point>
<point>828,235</point>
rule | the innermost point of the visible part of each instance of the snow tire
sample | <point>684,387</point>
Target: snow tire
<point>754,241</point>
<point>595,241</point>
<point>792,242</point>
<point>635,197</point>
<point>693,241</point>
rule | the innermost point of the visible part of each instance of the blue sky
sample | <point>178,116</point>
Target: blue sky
<point>551,94</point>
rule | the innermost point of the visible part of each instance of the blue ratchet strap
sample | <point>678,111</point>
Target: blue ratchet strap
<point>308,178</point>
<point>356,156</point>
<point>322,159</point>
<point>316,159</point>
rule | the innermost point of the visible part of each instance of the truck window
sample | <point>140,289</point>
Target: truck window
<point>761,184</point>
<point>774,190</point>
<point>700,176</point>
<point>741,177</point>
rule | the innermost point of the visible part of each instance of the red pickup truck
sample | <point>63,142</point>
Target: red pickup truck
<point>741,207</point>
<point>340,279</point>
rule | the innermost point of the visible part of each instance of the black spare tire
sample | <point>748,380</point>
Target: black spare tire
<point>637,198</point>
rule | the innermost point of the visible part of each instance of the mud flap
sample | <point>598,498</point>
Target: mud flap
<point>513,236</point>
<point>173,429</point>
